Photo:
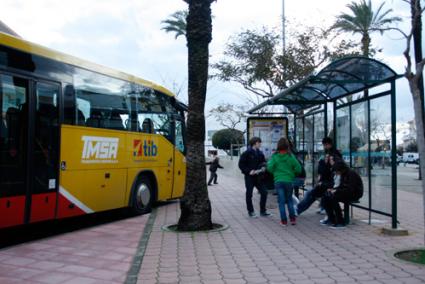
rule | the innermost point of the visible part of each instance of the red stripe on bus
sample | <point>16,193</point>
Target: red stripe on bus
<point>12,211</point>
<point>67,209</point>
<point>43,207</point>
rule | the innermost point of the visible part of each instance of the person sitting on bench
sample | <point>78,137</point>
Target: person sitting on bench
<point>349,190</point>
<point>325,181</point>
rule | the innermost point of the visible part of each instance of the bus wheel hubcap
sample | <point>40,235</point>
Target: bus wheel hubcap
<point>143,195</point>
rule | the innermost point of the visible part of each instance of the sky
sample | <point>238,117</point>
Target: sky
<point>126,35</point>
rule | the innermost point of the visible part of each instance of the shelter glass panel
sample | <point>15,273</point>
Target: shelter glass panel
<point>319,132</point>
<point>359,146</point>
<point>343,132</point>
<point>308,148</point>
<point>330,120</point>
<point>299,138</point>
<point>380,135</point>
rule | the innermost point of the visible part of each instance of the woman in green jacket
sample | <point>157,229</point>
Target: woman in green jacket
<point>284,167</point>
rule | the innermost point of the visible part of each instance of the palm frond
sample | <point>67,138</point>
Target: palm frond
<point>176,23</point>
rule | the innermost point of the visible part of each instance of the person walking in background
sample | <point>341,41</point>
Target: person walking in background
<point>284,167</point>
<point>252,164</point>
<point>214,165</point>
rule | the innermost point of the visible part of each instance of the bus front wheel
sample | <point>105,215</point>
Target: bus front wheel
<point>142,198</point>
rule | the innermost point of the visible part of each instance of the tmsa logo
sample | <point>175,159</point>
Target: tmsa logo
<point>99,149</point>
<point>146,148</point>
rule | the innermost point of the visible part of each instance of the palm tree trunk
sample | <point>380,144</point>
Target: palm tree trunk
<point>195,205</point>
<point>365,44</point>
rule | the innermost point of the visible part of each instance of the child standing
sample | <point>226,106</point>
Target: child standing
<point>214,165</point>
<point>284,167</point>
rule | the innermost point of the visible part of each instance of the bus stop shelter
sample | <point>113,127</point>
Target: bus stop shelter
<point>353,101</point>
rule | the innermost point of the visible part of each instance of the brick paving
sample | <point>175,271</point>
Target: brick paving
<point>249,251</point>
<point>101,254</point>
<point>261,251</point>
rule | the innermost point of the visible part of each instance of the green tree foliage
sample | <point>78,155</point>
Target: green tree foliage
<point>176,23</point>
<point>223,138</point>
<point>364,20</point>
<point>412,147</point>
<point>255,59</point>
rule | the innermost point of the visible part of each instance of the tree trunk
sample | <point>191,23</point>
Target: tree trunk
<point>418,107</point>
<point>195,205</point>
<point>417,45</point>
<point>365,44</point>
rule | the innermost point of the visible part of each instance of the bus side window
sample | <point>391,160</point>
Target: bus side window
<point>147,126</point>
<point>81,120</point>
<point>95,119</point>
<point>116,122</point>
<point>69,105</point>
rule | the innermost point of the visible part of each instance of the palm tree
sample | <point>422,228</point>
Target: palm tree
<point>176,23</point>
<point>195,205</point>
<point>363,20</point>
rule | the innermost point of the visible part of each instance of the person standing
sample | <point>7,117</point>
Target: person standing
<point>252,165</point>
<point>284,167</point>
<point>214,165</point>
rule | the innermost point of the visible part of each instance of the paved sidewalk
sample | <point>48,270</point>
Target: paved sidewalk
<point>102,254</point>
<point>250,251</point>
<point>261,251</point>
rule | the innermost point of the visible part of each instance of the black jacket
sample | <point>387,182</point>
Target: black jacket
<point>334,152</point>
<point>251,160</point>
<point>214,165</point>
<point>351,185</point>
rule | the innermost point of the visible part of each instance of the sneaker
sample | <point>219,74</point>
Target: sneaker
<point>216,183</point>
<point>337,226</point>
<point>283,223</point>
<point>252,215</point>
<point>321,211</point>
<point>209,184</point>
<point>293,220</point>
<point>266,214</point>
<point>325,222</point>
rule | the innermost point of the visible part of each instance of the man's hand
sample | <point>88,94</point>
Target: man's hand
<point>252,172</point>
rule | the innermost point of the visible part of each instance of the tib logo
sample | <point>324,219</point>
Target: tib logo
<point>99,149</point>
<point>147,148</point>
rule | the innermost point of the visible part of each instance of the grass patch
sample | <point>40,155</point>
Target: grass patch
<point>416,256</point>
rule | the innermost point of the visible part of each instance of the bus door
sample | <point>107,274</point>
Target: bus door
<point>179,159</point>
<point>44,162</point>
<point>14,94</point>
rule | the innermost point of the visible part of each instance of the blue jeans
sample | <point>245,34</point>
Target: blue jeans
<point>306,202</point>
<point>311,195</point>
<point>284,196</point>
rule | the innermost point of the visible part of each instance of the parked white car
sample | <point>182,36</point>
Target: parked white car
<point>411,158</point>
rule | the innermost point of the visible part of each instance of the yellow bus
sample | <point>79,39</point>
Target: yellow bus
<point>78,138</point>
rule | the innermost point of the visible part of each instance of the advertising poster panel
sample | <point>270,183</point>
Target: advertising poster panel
<point>269,129</point>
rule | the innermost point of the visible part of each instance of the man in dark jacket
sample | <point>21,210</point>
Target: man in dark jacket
<point>350,189</point>
<point>214,165</point>
<point>252,163</point>
<point>329,148</point>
